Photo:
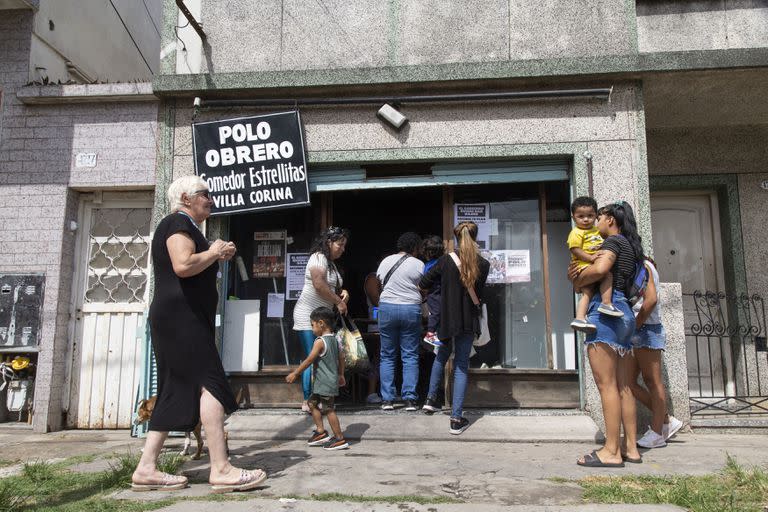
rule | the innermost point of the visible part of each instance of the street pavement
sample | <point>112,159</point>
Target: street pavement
<point>500,462</point>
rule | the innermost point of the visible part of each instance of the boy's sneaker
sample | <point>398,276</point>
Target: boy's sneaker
<point>583,326</point>
<point>318,438</point>
<point>651,440</point>
<point>386,405</point>
<point>433,340</point>
<point>410,405</point>
<point>430,406</point>
<point>610,310</point>
<point>671,428</point>
<point>458,426</point>
<point>336,444</point>
<point>373,398</point>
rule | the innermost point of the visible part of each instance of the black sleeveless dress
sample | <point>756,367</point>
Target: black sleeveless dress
<point>181,320</point>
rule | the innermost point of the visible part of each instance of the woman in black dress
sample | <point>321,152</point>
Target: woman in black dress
<point>191,384</point>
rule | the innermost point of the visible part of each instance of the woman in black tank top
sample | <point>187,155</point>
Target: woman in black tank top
<point>621,251</point>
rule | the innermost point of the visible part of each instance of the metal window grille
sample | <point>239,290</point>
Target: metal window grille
<point>118,257</point>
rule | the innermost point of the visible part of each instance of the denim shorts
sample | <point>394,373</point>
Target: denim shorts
<point>614,332</point>
<point>651,336</point>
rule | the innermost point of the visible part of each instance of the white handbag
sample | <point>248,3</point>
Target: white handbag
<point>485,335</point>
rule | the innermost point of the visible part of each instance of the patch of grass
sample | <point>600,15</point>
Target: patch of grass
<point>4,463</point>
<point>735,488</point>
<point>11,497</point>
<point>170,463</point>
<point>80,459</point>
<point>38,472</point>
<point>54,488</point>
<point>120,471</point>
<point>404,498</point>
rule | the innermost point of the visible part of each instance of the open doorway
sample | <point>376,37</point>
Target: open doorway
<point>376,218</point>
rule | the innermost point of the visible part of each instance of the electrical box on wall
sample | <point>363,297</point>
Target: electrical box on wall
<point>21,301</point>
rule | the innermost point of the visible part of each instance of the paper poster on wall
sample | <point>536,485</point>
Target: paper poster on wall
<point>510,266</point>
<point>269,254</point>
<point>479,213</point>
<point>275,305</point>
<point>296,264</point>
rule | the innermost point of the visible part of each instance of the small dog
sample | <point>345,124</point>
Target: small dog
<point>145,412</point>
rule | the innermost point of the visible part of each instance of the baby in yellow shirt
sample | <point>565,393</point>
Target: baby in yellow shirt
<point>584,241</point>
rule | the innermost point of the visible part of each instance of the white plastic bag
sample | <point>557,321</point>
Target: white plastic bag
<point>485,335</point>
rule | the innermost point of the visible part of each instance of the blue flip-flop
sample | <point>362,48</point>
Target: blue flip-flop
<point>593,461</point>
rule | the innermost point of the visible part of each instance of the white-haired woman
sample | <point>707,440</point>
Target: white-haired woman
<point>191,384</point>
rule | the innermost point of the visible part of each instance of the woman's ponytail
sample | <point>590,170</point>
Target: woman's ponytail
<point>466,234</point>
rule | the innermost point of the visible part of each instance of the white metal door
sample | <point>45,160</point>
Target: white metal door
<point>110,299</point>
<point>687,248</point>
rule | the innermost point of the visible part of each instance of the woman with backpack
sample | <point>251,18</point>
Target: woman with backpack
<point>648,342</point>
<point>462,275</point>
<point>609,346</point>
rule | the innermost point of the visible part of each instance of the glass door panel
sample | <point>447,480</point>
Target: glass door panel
<point>514,293</point>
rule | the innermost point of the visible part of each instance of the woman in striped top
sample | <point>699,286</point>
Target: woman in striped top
<point>322,288</point>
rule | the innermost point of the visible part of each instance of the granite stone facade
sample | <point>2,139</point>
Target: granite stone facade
<point>299,35</point>
<point>686,99</point>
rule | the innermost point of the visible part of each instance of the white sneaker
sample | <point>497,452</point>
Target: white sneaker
<point>671,428</point>
<point>651,440</point>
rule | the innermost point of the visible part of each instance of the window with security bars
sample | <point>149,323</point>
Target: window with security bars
<point>118,255</point>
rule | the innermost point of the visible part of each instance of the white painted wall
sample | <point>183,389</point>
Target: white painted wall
<point>108,40</point>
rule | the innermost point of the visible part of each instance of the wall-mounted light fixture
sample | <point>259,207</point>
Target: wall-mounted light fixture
<point>391,115</point>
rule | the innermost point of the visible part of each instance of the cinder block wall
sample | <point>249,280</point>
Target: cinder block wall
<point>32,209</point>
<point>40,187</point>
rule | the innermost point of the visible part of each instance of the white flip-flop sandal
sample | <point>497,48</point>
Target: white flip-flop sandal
<point>248,480</point>
<point>169,483</point>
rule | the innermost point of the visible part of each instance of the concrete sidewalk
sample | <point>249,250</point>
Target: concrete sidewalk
<point>522,462</point>
<point>376,425</point>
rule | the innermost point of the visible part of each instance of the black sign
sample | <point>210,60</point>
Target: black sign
<point>252,163</point>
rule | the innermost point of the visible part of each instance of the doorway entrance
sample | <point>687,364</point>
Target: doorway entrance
<point>110,297</point>
<point>688,249</point>
<point>524,212</point>
<point>376,218</point>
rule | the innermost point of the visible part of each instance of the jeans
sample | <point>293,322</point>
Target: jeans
<point>462,346</point>
<point>614,332</point>
<point>307,339</point>
<point>650,336</point>
<point>399,327</point>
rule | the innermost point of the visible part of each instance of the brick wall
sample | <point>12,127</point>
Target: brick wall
<point>39,184</point>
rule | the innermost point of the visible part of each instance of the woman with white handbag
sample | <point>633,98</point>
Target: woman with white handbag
<point>462,276</point>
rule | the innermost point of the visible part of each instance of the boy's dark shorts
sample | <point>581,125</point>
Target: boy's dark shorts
<point>326,401</point>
